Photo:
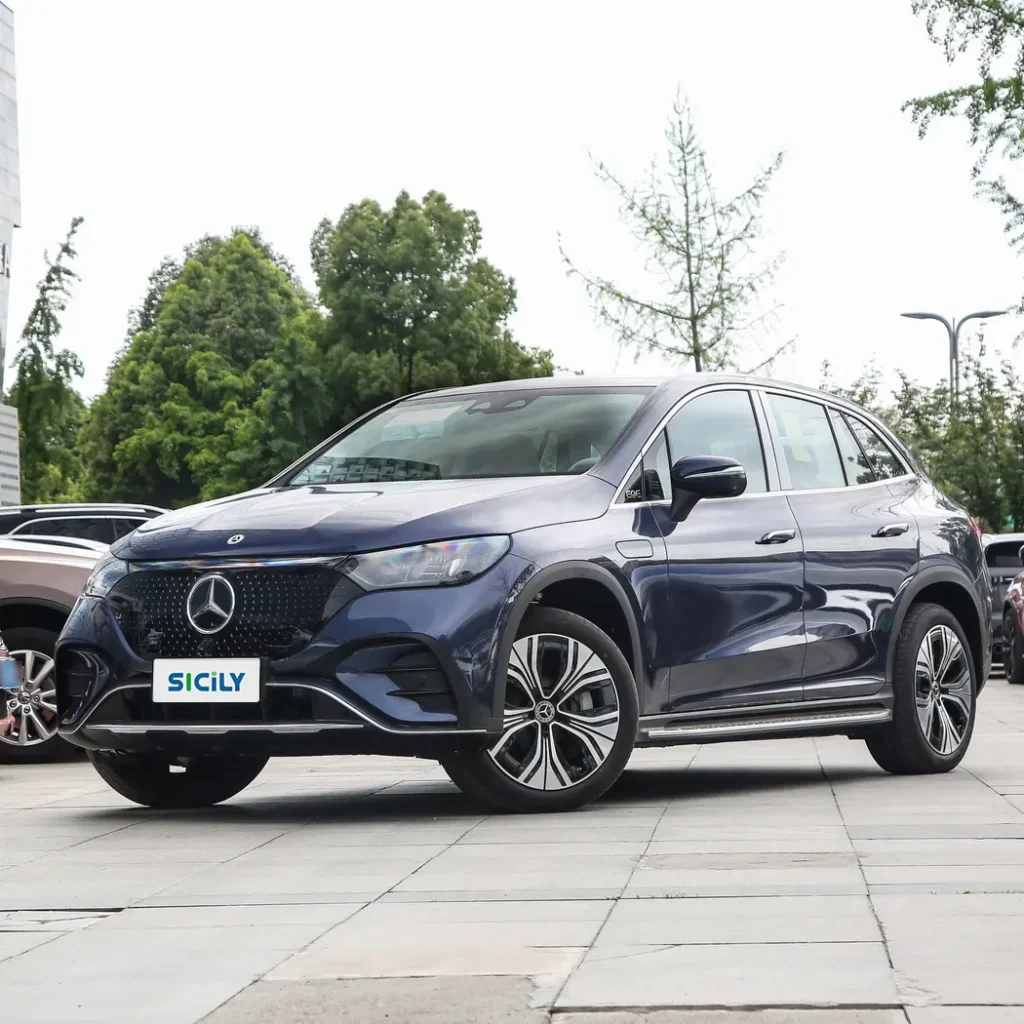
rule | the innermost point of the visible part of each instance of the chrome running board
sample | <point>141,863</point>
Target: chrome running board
<point>767,725</point>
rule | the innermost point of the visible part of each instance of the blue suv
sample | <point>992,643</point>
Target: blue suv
<point>525,581</point>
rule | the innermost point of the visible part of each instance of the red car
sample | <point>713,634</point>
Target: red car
<point>1013,626</point>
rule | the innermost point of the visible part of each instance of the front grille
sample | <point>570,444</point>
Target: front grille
<point>278,609</point>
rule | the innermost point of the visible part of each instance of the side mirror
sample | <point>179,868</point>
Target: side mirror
<point>704,476</point>
<point>1020,554</point>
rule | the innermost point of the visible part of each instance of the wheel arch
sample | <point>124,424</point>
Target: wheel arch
<point>35,613</point>
<point>587,589</point>
<point>943,585</point>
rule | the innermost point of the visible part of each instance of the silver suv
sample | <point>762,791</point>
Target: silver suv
<point>103,523</point>
<point>40,580</point>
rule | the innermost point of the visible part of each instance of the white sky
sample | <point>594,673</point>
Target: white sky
<point>161,121</point>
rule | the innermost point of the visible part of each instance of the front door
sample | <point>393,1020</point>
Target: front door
<point>735,569</point>
<point>860,541</point>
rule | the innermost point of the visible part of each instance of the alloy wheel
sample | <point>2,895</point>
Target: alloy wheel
<point>561,715</point>
<point>943,689</point>
<point>33,704</point>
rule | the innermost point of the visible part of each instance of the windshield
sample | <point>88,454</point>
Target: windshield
<point>497,433</point>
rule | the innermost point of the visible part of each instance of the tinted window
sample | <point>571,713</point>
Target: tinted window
<point>123,526</point>
<point>1004,555</point>
<point>882,459</point>
<point>82,527</point>
<point>720,423</point>
<point>807,443</point>
<point>855,462</point>
<point>491,434</point>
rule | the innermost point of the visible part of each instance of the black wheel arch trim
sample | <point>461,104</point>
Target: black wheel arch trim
<point>533,586</point>
<point>35,602</point>
<point>926,577</point>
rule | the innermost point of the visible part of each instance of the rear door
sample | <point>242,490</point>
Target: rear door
<point>860,540</point>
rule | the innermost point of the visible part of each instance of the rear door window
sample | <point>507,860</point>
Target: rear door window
<point>82,527</point>
<point>855,462</point>
<point>808,445</point>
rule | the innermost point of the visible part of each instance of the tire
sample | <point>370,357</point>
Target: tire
<point>561,762</point>
<point>32,646</point>
<point>1013,656</point>
<point>933,734</point>
<point>205,781</point>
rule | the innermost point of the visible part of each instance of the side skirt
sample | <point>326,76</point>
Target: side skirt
<point>854,718</point>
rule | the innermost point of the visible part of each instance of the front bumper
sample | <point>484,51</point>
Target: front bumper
<point>400,671</point>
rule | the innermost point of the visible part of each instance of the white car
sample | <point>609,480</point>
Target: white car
<point>40,580</point>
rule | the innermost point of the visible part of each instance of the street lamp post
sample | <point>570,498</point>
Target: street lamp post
<point>953,330</point>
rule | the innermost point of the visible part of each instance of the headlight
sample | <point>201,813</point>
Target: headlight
<point>427,565</point>
<point>107,572</point>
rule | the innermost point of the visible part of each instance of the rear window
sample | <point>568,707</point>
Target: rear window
<point>1004,554</point>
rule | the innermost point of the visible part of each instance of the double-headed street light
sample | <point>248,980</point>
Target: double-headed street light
<point>953,330</point>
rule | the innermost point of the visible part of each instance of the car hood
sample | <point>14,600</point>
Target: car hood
<point>344,518</point>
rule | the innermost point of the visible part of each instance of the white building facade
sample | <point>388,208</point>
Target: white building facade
<point>10,218</point>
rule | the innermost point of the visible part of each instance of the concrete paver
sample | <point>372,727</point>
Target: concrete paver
<point>785,882</point>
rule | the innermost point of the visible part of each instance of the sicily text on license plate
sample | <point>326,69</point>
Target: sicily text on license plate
<point>206,680</point>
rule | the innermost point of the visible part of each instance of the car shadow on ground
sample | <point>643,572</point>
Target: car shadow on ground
<point>435,801</point>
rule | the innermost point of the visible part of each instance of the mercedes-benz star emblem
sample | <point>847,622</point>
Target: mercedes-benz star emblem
<point>236,539</point>
<point>210,604</point>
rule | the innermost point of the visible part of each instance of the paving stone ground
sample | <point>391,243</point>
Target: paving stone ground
<point>783,882</point>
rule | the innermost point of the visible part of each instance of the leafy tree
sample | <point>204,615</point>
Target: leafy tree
<point>992,103</point>
<point>706,284</point>
<point>412,304</point>
<point>218,385</point>
<point>977,457</point>
<point>49,408</point>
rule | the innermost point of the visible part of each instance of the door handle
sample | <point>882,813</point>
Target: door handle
<point>777,537</point>
<point>892,530</point>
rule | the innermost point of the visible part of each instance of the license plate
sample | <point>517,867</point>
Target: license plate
<point>206,680</point>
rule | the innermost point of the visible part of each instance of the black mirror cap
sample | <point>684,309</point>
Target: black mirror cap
<point>704,476</point>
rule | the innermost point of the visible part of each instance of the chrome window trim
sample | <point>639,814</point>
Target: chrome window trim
<point>763,389</point>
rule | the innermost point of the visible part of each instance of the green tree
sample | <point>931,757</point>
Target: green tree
<point>218,385</point>
<point>49,408</point>
<point>707,286</point>
<point>977,457</point>
<point>412,304</point>
<point>992,103</point>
